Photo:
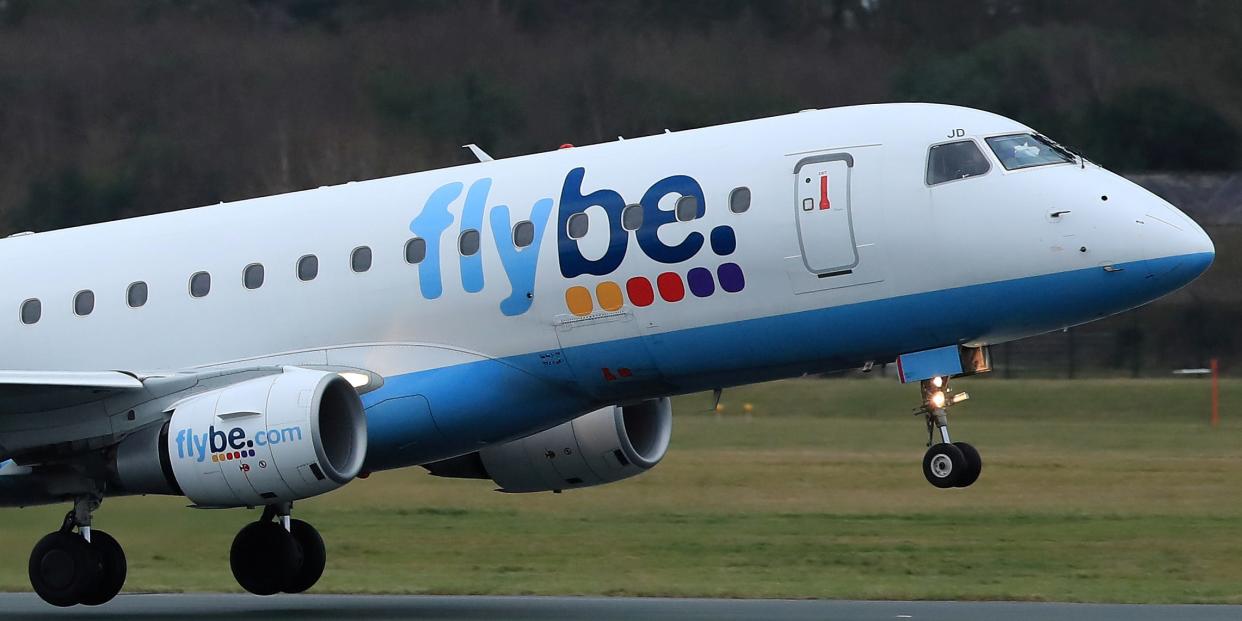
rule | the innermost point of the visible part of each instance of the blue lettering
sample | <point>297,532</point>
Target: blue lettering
<point>472,219</point>
<point>200,445</point>
<point>430,225</point>
<point>573,264</point>
<point>654,218</point>
<point>519,263</point>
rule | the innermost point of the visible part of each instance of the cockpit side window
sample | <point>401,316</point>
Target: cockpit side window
<point>955,160</point>
<point>1019,151</point>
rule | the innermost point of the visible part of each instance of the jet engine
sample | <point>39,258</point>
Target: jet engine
<point>607,445</point>
<point>273,439</point>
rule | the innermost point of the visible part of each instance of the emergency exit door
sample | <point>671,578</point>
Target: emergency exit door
<point>825,224</point>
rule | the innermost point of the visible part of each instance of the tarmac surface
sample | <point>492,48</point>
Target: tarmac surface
<point>435,608</point>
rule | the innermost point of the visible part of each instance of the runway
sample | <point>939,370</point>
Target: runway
<point>442,608</point>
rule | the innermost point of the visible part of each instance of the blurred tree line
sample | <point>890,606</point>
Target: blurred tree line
<point>119,108</point>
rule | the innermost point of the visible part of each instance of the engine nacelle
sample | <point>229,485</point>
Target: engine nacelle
<point>604,446</point>
<point>274,439</point>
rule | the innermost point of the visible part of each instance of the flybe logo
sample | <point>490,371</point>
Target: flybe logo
<point>520,258</point>
<point>229,445</point>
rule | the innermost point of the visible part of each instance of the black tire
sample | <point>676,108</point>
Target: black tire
<point>974,464</point>
<point>944,465</point>
<point>264,557</point>
<point>112,569</point>
<point>314,557</point>
<point>63,568</point>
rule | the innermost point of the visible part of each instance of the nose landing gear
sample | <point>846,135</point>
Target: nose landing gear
<point>87,567</point>
<point>277,554</point>
<point>946,463</point>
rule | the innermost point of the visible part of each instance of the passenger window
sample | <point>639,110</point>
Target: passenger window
<point>523,234</point>
<point>308,268</point>
<point>360,260</point>
<point>84,303</point>
<point>415,250</point>
<point>632,217</point>
<point>687,208</point>
<point>579,224</point>
<point>253,275</point>
<point>955,160</point>
<point>32,310</point>
<point>200,284</point>
<point>468,244</point>
<point>1027,150</point>
<point>136,295</point>
<point>739,200</point>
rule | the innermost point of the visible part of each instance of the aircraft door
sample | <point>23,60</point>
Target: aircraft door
<point>825,222</point>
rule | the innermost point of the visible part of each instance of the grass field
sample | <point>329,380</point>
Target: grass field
<point>1093,490</point>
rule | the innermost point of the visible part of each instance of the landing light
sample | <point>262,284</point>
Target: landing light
<point>357,380</point>
<point>938,382</point>
<point>938,399</point>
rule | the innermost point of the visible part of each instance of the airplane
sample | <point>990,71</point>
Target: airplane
<point>525,320</point>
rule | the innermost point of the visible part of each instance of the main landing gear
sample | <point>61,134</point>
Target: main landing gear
<point>946,463</point>
<point>277,554</point>
<point>87,567</point>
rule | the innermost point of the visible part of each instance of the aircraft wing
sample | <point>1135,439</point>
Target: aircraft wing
<point>38,391</point>
<point>40,409</point>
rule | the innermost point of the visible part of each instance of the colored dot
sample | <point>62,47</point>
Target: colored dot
<point>701,282</point>
<point>731,278</point>
<point>609,295</point>
<point>252,452</point>
<point>671,287</point>
<point>578,299</point>
<point>640,291</point>
<point>724,241</point>
<point>215,458</point>
<point>227,457</point>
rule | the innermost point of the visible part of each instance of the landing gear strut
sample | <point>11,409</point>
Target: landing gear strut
<point>87,567</point>
<point>946,463</point>
<point>277,554</point>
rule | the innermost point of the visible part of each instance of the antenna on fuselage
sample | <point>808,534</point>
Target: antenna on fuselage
<point>478,153</point>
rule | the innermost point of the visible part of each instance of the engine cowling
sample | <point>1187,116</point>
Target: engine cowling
<point>273,439</point>
<point>604,446</point>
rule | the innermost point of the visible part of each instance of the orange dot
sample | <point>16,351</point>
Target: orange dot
<point>609,294</point>
<point>578,299</point>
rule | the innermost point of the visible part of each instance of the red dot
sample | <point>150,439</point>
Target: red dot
<point>640,292</point>
<point>671,287</point>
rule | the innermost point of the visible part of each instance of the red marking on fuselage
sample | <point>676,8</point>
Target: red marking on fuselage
<point>670,286</point>
<point>823,193</point>
<point>641,293</point>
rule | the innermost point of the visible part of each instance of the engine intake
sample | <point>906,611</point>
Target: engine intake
<point>274,439</point>
<point>604,446</point>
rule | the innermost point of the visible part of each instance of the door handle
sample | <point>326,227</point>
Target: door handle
<point>1055,215</point>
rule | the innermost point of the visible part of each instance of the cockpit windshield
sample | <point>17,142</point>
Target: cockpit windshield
<point>1027,150</point>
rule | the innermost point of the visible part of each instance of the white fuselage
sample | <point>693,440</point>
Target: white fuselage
<point>967,246</point>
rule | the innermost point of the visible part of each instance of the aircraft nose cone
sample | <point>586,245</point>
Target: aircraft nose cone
<point>1197,249</point>
<point>1188,253</point>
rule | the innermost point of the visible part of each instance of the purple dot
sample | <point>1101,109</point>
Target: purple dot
<point>701,282</point>
<point>731,278</point>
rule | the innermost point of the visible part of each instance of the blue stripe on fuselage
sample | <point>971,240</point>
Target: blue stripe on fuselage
<point>490,400</point>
